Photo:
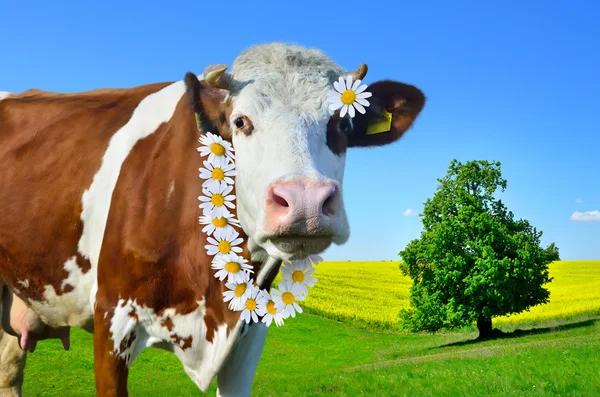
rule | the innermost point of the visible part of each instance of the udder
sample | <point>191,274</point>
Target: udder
<point>21,321</point>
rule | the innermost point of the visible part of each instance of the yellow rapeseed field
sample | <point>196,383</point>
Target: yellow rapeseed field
<point>372,293</point>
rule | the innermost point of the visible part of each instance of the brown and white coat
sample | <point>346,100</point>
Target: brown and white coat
<point>99,211</point>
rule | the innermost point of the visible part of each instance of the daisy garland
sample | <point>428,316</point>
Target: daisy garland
<point>219,223</point>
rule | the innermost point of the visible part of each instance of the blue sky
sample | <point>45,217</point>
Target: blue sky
<point>511,81</point>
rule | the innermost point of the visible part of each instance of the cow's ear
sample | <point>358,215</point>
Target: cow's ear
<point>393,108</point>
<point>210,106</point>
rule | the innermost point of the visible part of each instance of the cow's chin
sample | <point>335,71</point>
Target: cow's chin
<point>289,248</point>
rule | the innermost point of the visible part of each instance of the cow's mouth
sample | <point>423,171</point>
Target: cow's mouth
<point>300,247</point>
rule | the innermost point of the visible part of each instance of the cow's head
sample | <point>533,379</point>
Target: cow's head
<point>289,147</point>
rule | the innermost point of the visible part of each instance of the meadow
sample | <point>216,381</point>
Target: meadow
<point>347,345</point>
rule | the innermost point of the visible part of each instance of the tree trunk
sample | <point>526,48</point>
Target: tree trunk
<point>484,325</point>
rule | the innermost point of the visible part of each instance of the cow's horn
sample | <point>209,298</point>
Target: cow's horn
<point>360,73</point>
<point>215,76</point>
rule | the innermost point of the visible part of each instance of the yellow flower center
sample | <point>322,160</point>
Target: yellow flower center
<point>348,98</point>
<point>240,289</point>
<point>218,174</point>
<point>224,247</point>
<point>271,307</point>
<point>250,304</point>
<point>220,222</point>
<point>234,267</point>
<point>217,149</point>
<point>217,199</point>
<point>287,298</point>
<point>298,276</point>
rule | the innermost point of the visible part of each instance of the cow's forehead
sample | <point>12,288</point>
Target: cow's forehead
<point>277,75</point>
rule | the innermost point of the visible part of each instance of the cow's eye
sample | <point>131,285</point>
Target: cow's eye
<point>345,126</point>
<point>239,122</point>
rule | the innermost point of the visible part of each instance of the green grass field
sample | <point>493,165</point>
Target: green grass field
<point>360,354</point>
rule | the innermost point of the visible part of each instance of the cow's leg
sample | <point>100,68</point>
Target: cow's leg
<point>236,376</point>
<point>12,358</point>
<point>111,369</point>
<point>12,364</point>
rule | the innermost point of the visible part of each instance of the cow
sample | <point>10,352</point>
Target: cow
<point>99,207</point>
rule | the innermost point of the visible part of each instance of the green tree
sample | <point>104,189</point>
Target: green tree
<point>473,260</point>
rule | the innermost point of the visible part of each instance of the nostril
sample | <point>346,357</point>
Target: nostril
<point>330,204</point>
<point>278,199</point>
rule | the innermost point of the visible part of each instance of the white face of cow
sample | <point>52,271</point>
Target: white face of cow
<point>290,148</point>
<point>289,181</point>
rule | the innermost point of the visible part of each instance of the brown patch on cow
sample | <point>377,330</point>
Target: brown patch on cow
<point>184,343</point>
<point>84,264</point>
<point>153,250</point>
<point>111,370</point>
<point>51,145</point>
<point>211,104</point>
<point>133,314</point>
<point>127,342</point>
<point>211,325</point>
<point>67,288</point>
<point>167,323</point>
<point>338,130</point>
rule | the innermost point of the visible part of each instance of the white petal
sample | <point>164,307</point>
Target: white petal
<point>362,101</point>
<point>356,84</point>
<point>221,274</point>
<point>344,110</point>
<point>364,95</point>
<point>360,89</point>
<point>351,111</point>
<point>339,85</point>
<point>359,107</point>
<point>349,82</point>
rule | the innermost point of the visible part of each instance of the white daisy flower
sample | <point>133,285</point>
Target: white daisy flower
<point>237,293</point>
<point>225,241</point>
<point>271,313</point>
<point>234,267</point>
<point>217,175</point>
<point>348,96</point>
<point>298,273</point>
<point>216,199</point>
<point>219,151</point>
<point>286,297</point>
<point>251,308</point>
<point>221,224</point>
<point>308,262</point>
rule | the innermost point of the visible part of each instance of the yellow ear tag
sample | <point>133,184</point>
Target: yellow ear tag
<point>383,124</point>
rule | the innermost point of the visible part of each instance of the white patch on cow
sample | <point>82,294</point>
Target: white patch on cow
<point>122,327</point>
<point>67,308</point>
<point>151,112</point>
<point>4,94</point>
<point>283,90</point>
<point>201,359</point>
<point>24,283</point>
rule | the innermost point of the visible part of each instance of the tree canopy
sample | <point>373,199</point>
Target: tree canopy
<point>473,260</point>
